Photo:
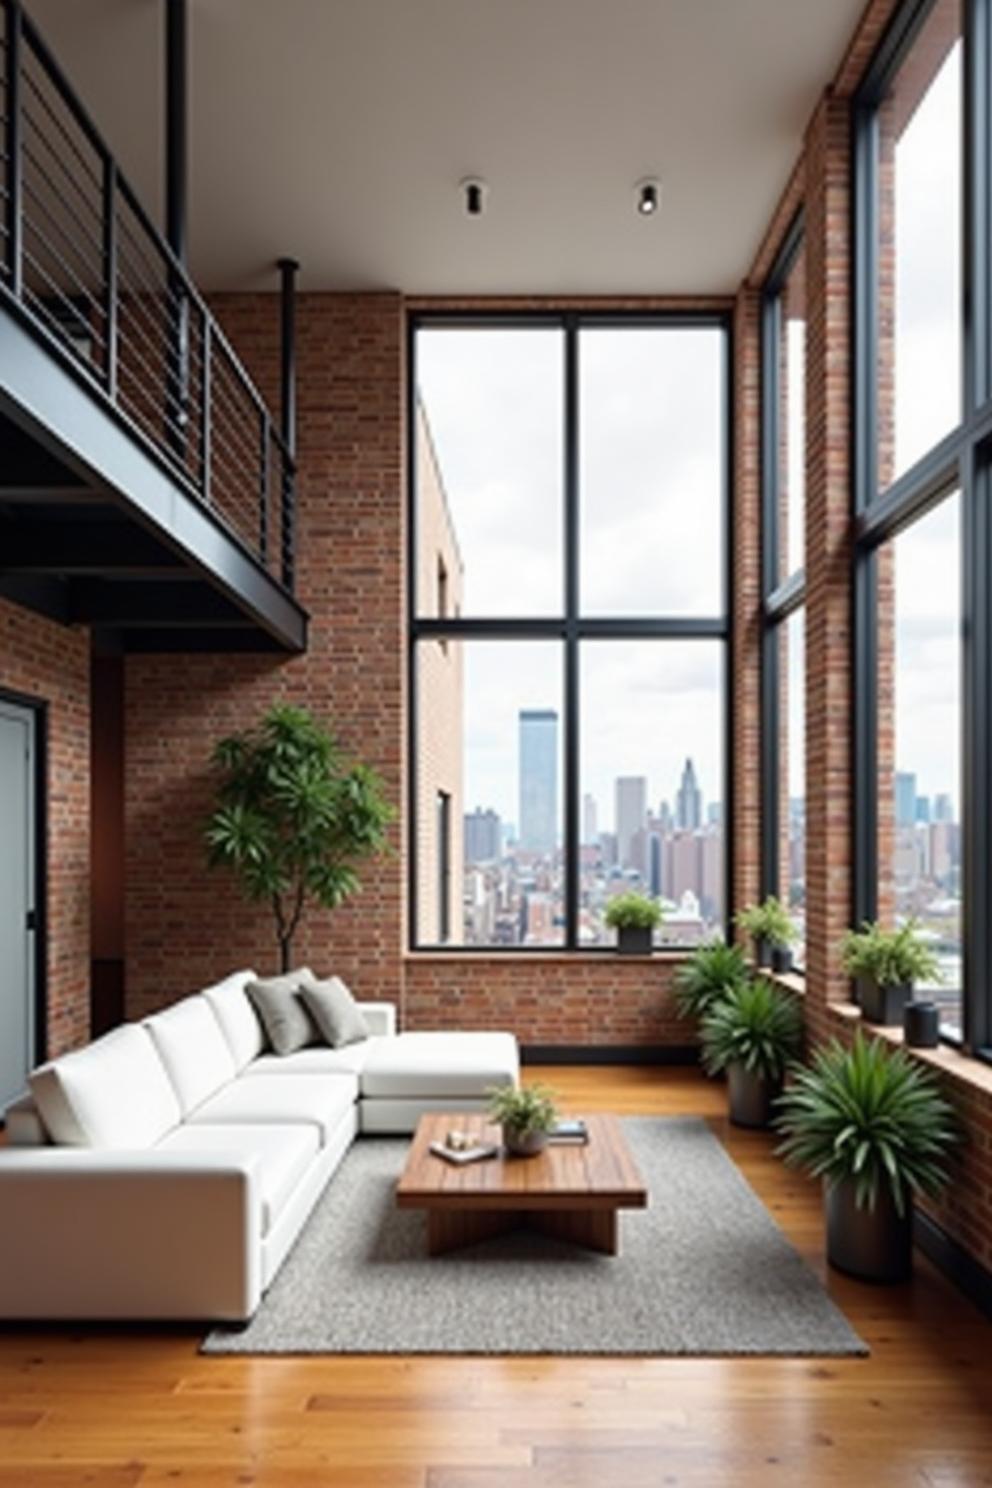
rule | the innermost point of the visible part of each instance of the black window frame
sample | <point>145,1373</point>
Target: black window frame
<point>961,460</point>
<point>782,595</point>
<point>443,810</point>
<point>569,627</point>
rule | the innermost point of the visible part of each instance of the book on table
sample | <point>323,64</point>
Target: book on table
<point>570,1130</point>
<point>462,1155</point>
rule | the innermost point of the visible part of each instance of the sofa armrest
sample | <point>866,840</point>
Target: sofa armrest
<point>380,1016</point>
<point>144,1234</point>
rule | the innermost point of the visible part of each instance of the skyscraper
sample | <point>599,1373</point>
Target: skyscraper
<point>483,834</point>
<point>943,808</point>
<point>538,779</point>
<point>905,788</point>
<point>590,821</point>
<point>631,805</point>
<point>689,801</point>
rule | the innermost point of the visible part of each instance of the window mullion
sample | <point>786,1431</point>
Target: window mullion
<point>571,505</point>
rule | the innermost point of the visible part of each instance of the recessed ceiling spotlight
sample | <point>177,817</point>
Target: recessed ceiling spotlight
<point>476,193</point>
<point>648,193</point>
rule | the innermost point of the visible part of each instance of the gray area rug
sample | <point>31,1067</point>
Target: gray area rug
<point>703,1270</point>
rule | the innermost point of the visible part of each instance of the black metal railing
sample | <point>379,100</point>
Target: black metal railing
<point>81,256</point>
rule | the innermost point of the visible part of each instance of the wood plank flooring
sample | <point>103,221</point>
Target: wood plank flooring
<point>139,1408</point>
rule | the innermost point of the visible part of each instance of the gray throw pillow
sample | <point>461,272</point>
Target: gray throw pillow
<point>335,1012</point>
<point>283,1013</point>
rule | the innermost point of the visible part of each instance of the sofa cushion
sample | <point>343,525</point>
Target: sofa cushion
<point>196,1055</point>
<point>335,1012</point>
<point>237,1017</point>
<point>114,1093</point>
<point>282,1010</point>
<point>440,1064</point>
<point>316,1061</point>
<point>275,1099</point>
<point>283,1153</point>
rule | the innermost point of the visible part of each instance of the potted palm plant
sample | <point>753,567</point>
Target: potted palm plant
<point>707,975</point>
<point>634,917</point>
<point>526,1114</point>
<point>872,1123</point>
<point>753,1032</point>
<point>885,964</point>
<point>772,933</point>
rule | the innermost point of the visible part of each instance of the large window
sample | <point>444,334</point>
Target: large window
<point>783,733</point>
<point>923,559</point>
<point>567,678</point>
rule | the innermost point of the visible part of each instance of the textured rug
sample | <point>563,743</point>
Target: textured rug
<point>703,1270</point>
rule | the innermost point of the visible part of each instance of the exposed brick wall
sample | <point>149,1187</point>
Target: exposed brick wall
<point>51,663</point>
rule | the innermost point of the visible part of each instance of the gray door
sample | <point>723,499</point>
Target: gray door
<point>17,866</point>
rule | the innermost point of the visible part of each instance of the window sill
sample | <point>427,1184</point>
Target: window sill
<point>553,953</point>
<point>973,1073</point>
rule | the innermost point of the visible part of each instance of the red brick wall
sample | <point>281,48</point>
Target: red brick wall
<point>51,663</point>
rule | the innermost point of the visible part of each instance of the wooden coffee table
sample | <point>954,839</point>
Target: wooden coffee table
<point>571,1192</point>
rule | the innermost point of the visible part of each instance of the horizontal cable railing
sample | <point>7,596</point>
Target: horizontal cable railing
<point>79,253</point>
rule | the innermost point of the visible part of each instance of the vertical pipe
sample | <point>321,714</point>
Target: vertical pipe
<point>176,68</point>
<point>13,146</point>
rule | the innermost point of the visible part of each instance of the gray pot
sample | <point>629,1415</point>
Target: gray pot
<point>883,1005</point>
<point>763,954</point>
<point>524,1144</point>
<point>750,1096</point>
<point>871,1244</point>
<point>634,940</point>
<point>781,959</point>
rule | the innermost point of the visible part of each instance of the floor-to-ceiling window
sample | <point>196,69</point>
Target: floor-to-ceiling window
<point>569,694</point>
<point>923,563</point>
<point>783,855</point>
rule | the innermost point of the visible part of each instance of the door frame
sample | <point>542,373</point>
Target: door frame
<point>38,707</point>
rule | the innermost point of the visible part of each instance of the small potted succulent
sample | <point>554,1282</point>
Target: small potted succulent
<point>753,1032</point>
<point>707,976</point>
<point>872,1123</point>
<point>526,1114</point>
<point>885,964</point>
<point>772,933</point>
<point>634,917</point>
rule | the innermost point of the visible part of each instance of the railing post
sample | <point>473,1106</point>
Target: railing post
<point>15,164</point>
<point>263,506</point>
<point>110,271</point>
<point>206,407</point>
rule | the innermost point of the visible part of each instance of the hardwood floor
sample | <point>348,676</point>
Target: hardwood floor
<point>139,1407</point>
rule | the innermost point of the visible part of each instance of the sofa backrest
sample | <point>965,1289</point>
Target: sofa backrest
<point>237,1017</point>
<point>192,1047</point>
<point>114,1093</point>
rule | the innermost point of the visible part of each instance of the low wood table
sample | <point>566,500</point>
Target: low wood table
<point>572,1192</point>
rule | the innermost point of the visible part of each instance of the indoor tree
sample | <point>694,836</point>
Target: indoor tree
<point>292,817</point>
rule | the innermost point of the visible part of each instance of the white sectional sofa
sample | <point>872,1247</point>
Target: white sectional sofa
<point>165,1170</point>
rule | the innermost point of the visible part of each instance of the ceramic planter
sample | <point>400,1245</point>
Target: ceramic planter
<point>763,954</point>
<point>524,1144</point>
<point>634,940</point>
<point>781,959</point>
<point>872,1244</point>
<point>921,1025</point>
<point>883,1004</point>
<point>751,1096</point>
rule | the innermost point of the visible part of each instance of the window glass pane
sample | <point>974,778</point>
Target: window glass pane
<point>489,470</point>
<point>489,736</point>
<point>792,774</point>
<point>919,249</point>
<point>651,761</point>
<point>651,411</point>
<point>792,419</point>
<point>920,742</point>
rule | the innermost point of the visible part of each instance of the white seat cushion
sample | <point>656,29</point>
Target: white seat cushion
<point>317,1060</point>
<point>114,1093</point>
<point>238,1019</point>
<point>283,1152</point>
<point>442,1064</point>
<point>196,1055</point>
<point>275,1099</point>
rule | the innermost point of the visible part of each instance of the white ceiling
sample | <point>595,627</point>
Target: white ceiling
<point>338,130</point>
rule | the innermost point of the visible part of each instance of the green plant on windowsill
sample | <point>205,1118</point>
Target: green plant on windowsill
<point>526,1113</point>
<point>634,917</point>
<point>873,1124</point>
<point>709,973</point>
<point>886,964</point>
<point>772,932</point>
<point>753,1032</point>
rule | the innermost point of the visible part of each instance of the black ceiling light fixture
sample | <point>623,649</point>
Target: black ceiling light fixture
<point>648,196</point>
<point>475,193</point>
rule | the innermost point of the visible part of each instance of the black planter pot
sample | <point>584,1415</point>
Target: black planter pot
<point>634,940</point>
<point>763,954</point>
<point>781,959</point>
<point>921,1025</point>
<point>883,1004</point>
<point>750,1096</point>
<point>871,1244</point>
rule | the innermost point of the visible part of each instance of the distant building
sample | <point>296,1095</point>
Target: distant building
<point>905,791</point>
<point>689,801</point>
<point>631,815</point>
<point>538,780</point>
<point>483,836</point>
<point>943,808</point>
<point>590,821</point>
<point>923,809</point>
